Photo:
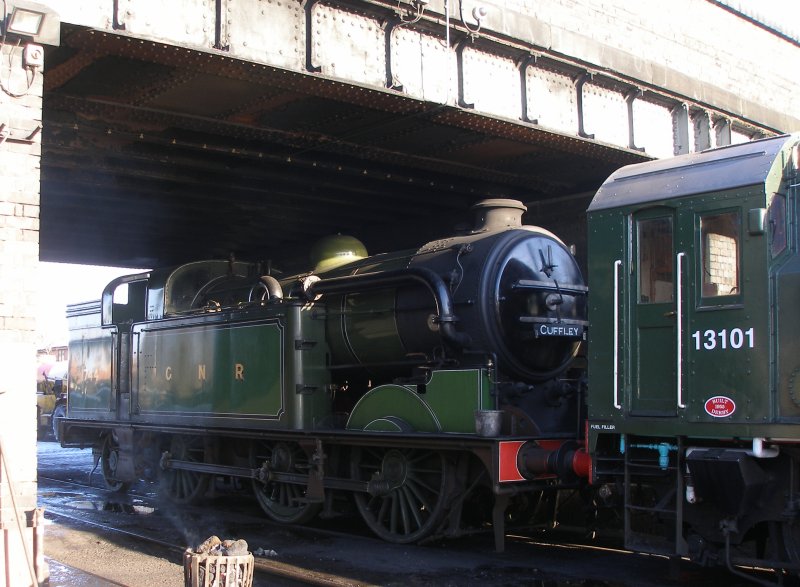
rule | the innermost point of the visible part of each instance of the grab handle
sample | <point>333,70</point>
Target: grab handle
<point>617,266</point>
<point>679,321</point>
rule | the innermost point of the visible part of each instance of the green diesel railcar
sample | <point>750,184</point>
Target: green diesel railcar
<point>693,352</point>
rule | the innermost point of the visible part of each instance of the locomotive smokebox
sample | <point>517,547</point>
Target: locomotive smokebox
<point>516,294</point>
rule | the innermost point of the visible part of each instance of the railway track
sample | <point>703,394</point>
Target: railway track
<point>269,570</point>
<point>323,554</point>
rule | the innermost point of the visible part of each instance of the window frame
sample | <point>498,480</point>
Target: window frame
<point>771,232</point>
<point>718,299</point>
<point>670,218</point>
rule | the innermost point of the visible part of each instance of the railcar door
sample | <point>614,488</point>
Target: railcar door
<point>652,378</point>
<point>725,320</point>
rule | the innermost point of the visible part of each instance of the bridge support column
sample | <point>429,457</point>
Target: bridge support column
<point>21,558</point>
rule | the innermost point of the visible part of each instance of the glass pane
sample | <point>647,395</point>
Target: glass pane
<point>777,225</point>
<point>121,294</point>
<point>655,260</point>
<point>719,236</point>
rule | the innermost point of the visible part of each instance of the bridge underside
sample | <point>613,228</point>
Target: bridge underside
<point>155,154</point>
<point>182,130</point>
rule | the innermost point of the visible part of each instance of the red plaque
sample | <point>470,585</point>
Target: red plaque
<point>720,406</point>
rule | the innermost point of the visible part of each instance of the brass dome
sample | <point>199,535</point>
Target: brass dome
<point>336,250</point>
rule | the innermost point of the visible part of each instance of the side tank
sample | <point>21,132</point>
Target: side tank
<point>502,293</point>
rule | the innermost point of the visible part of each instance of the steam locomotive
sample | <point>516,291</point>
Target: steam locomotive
<point>426,384</point>
<point>408,380</point>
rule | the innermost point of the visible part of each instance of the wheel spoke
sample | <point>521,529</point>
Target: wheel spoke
<point>423,500</point>
<point>395,511</point>
<point>414,508</point>
<point>384,507</point>
<point>406,510</point>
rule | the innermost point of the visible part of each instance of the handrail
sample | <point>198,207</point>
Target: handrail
<point>679,337</point>
<point>617,265</point>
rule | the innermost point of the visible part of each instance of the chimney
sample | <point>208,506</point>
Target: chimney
<point>497,214</point>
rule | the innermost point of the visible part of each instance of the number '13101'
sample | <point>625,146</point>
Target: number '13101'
<point>735,339</point>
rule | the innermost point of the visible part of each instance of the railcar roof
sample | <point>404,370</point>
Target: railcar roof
<point>696,173</point>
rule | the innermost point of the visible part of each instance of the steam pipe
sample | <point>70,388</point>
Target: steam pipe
<point>385,279</point>
<point>270,285</point>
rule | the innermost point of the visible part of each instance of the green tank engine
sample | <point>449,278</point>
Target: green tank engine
<point>693,353</point>
<point>407,380</point>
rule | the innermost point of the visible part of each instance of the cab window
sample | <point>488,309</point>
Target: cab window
<point>777,225</point>
<point>719,238</point>
<point>655,260</point>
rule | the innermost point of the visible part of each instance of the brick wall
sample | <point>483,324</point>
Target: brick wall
<point>20,117</point>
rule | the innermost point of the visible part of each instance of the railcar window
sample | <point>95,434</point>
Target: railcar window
<point>655,260</point>
<point>777,225</point>
<point>719,236</point>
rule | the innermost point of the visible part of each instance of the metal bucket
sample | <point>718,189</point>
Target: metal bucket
<point>207,570</point>
<point>488,422</point>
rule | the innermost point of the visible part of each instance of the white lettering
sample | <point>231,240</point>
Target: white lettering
<point>736,338</point>
<point>603,426</point>
<point>711,340</point>
<point>558,330</point>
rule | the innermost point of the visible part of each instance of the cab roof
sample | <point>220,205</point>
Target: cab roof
<point>714,170</point>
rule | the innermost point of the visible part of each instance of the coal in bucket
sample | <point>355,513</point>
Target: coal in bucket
<point>217,563</point>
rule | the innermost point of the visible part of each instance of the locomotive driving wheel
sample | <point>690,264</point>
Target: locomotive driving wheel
<point>109,460</point>
<point>409,495</point>
<point>284,503</point>
<point>179,485</point>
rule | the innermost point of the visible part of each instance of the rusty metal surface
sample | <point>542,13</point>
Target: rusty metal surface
<point>156,154</point>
